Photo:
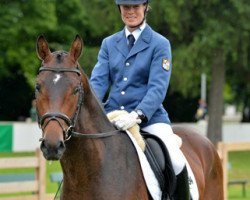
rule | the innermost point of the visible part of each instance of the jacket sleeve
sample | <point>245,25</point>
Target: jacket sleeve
<point>159,78</point>
<point>100,76</point>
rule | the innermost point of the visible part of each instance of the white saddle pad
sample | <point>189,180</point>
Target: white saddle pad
<point>149,176</point>
<point>152,182</point>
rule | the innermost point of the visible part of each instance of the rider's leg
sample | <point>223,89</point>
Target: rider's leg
<point>182,187</point>
<point>165,132</point>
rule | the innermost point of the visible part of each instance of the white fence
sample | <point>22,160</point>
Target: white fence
<point>231,132</point>
<point>25,136</point>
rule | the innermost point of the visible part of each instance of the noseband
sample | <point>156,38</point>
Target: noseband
<point>71,122</point>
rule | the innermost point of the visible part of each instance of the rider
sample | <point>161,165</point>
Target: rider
<point>136,73</point>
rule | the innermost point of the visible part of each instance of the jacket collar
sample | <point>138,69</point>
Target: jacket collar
<point>142,42</point>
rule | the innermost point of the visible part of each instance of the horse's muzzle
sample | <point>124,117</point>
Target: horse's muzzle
<point>52,152</point>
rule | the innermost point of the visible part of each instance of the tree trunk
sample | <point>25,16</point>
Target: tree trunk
<point>216,101</point>
<point>246,109</point>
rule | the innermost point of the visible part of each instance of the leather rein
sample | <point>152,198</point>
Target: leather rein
<point>71,122</point>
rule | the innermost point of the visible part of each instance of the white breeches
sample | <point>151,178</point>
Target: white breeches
<point>165,132</point>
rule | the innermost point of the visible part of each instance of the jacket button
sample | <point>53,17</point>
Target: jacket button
<point>123,92</point>
<point>125,78</point>
<point>127,64</point>
<point>122,107</point>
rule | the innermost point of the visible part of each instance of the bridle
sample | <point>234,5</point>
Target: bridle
<point>44,120</point>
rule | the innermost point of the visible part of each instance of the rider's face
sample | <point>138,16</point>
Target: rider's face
<point>132,15</point>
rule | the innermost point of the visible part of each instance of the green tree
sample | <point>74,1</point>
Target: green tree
<point>211,37</point>
<point>225,29</point>
<point>20,23</point>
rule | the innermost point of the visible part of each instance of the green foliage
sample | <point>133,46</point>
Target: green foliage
<point>88,59</point>
<point>196,30</point>
<point>103,19</point>
<point>228,94</point>
<point>71,18</point>
<point>19,33</point>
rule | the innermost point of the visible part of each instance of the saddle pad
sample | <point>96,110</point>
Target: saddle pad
<point>151,180</point>
<point>149,176</point>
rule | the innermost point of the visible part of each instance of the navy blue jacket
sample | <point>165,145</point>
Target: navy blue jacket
<point>136,79</point>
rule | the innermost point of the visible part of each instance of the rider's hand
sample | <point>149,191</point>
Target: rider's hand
<point>127,120</point>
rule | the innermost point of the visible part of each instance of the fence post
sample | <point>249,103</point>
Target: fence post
<point>222,151</point>
<point>41,173</point>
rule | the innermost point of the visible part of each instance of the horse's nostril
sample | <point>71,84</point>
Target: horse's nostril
<point>43,145</point>
<point>52,151</point>
<point>43,148</point>
<point>61,145</point>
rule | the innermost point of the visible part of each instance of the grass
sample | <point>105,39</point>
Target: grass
<point>239,161</point>
<point>240,169</point>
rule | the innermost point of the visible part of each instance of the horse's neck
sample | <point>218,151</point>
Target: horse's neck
<point>92,117</point>
<point>95,166</point>
<point>101,167</point>
<point>91,120</point>
<point>82,156</point>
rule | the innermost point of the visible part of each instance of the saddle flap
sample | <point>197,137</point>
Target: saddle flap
<point>159,160</point>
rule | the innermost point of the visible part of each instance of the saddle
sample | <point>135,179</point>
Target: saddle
<point>160,162</point>
<point>157,155</point>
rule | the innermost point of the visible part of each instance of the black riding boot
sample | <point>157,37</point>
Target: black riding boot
<point>182,186</point>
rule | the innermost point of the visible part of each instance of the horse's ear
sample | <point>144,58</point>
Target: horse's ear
<point>76,48</point>
<point>42,48</point>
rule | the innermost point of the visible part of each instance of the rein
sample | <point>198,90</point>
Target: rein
<point>94,135</point>
<point>71,122</point>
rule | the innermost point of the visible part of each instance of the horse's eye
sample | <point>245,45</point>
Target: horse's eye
<point>76,90</point>
<point>38,87</point>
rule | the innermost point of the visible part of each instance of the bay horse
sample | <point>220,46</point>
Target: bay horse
<point>98,161</point>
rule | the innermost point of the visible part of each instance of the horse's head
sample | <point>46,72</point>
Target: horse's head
<point>59,95</point>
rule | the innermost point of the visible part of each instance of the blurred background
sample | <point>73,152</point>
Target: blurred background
<point>207,37</point>
<point>210,45</point>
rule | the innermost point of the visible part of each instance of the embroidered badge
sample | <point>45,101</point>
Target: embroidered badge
<point>166,64</point>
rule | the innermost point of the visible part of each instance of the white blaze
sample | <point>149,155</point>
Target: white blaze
<point>57,78</point>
